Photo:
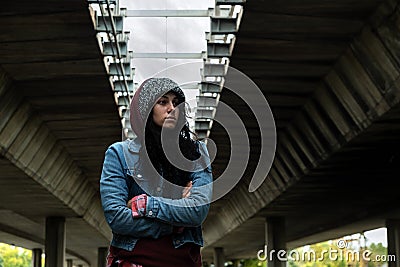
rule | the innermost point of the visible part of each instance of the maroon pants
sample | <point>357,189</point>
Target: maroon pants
<point>156,253</point>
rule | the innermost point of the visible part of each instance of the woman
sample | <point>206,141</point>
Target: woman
<point>155,208</point>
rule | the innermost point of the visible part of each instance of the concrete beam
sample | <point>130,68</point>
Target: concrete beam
<point>105,24</point>
<point>169,13</point>
<point>352,89</point>
<point>170,55</point>
<point>27,143</point>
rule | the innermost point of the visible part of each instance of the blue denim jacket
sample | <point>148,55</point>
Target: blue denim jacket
<point>117,186</point>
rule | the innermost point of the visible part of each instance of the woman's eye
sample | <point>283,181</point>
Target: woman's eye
<point>162,102</point>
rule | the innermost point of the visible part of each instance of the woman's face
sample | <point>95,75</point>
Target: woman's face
<point>165,111</point>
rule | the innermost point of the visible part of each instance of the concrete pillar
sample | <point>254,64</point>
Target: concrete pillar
<point>55,242</point>
<point>101,256</point>
<point>275,237</point>
<point>37,257</point>
<point>236,263</point>
<point>219,257</point>
<point>393,238</point>
<point>69,263</point>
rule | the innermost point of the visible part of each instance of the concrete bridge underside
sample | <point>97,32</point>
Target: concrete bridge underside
<point>57,118</point>
<point>330,71</point>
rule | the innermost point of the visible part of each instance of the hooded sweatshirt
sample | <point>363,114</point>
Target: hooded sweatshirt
<point>142,124</point>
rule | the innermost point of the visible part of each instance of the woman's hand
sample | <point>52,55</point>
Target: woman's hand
<point>138,205</point>
<point>186,190</point>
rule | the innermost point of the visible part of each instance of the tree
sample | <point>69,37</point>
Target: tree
<point>315,255</point>
<point>246,263</point>
<point>252,263</point>
<point>377,250</point>
<point>11,256</point>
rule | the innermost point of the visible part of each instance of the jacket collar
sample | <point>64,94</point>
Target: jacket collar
<point>134,145</point>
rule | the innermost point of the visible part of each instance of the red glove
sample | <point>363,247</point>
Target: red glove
<point>138,205</point>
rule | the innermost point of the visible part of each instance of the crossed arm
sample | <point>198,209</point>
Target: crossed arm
<point>159,215</point>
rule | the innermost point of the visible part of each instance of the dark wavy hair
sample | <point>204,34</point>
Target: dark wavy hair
<point>188,147</point>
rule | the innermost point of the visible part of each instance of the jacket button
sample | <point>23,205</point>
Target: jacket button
<point>158,189</point>
<point>150,213</point>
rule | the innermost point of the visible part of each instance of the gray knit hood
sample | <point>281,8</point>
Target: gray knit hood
<point>145,96</point>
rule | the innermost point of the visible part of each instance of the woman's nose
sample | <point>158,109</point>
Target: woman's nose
<point>171,107</point>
